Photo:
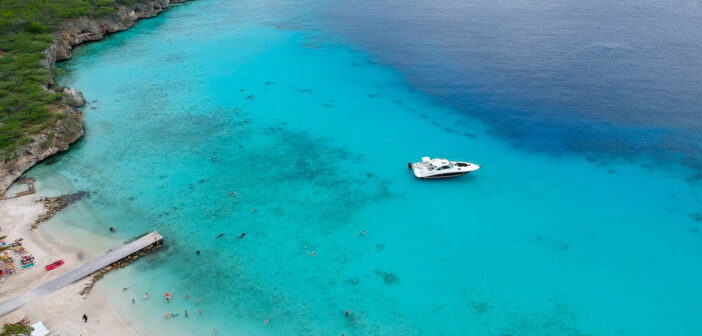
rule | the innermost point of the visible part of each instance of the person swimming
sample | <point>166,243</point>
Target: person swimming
<point>197,252</point>
<point>242,235</point>
<point>220,235</point>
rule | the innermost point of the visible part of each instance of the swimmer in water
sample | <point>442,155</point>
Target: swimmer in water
<point>146,296</point>
<point>254,210</point>
<point>268,320</point>
<point>242,235</point>
<point>364,232</point>
<point>166,315</point>
<point>312,253</point>
<point>220,235</point>
<point>197,252</point>
<point>187,296</point>
<point>186,313</point>
<point>346,313</point>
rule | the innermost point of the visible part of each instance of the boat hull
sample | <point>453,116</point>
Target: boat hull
<point>440,176</point>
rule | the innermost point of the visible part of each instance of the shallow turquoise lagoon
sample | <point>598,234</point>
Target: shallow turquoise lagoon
<point>215,97</point>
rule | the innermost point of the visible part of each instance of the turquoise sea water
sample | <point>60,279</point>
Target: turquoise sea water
<point>215,97</point>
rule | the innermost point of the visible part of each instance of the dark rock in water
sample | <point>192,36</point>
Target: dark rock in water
<point>94,101</point>
<point>250,97</point>
<point>215,159</point>
<point>203,181</point>
<point>379,247</point>
<point>369,175</point>
<point>269,83</point>
<point>56,204</point>
<point>52,161</point>
<point>389,278</point>
<point>481,307</point>
<point>93,107</point>
<point>696,216</point>
<point>352,281</point>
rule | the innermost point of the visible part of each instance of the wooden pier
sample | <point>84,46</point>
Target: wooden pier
<point>29,181</point>
<point>141,244</point>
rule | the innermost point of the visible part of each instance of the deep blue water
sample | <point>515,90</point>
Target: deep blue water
<point>310,111</point>
<point>604,79</point>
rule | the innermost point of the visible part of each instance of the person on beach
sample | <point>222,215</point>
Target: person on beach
<point>220,235</point>
<point>242,235</point>
<point>85,318</point>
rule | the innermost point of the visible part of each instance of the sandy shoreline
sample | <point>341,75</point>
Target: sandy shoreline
<point>62,310</point>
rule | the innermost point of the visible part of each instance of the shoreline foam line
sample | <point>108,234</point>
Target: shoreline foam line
<point>80,273</point>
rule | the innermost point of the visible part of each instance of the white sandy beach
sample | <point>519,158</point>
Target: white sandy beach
<point>62,310</point>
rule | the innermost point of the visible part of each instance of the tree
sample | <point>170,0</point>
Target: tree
<point>16,330</point>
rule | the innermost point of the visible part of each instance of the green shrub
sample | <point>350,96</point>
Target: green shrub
<point>16,330</point>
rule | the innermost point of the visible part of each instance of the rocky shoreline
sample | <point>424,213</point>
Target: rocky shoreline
<point>69,127</point>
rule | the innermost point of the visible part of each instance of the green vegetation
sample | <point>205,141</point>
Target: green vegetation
<point>16,330</point>
<point>26,28</point>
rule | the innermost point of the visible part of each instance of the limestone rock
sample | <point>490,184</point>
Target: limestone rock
<point>75,98</point>
<point>69,127</point>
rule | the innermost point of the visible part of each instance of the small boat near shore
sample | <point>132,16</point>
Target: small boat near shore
<point>441,168</point>
<point>54,265</point>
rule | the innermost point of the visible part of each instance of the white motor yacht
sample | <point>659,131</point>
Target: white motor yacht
<point>441,168</point>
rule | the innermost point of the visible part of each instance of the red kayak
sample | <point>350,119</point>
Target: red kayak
<point>54,264</point>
